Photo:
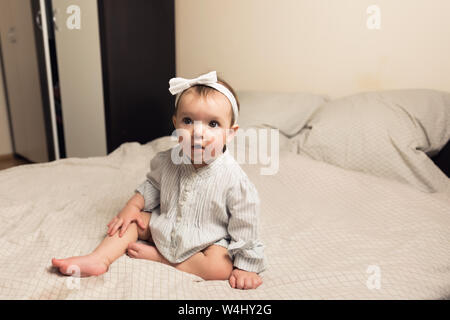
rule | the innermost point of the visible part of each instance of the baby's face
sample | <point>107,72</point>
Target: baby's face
<point>206,125</point>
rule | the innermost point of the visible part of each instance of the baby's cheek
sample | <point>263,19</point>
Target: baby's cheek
<point>184,137</point>
<point>185,143</point>
<point>214,148</point>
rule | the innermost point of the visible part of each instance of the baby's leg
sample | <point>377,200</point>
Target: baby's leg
<point>213,263</point>
<point>111,248</point>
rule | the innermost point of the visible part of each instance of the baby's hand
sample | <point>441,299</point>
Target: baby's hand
<point>242,279</point>
<point>123,220</point>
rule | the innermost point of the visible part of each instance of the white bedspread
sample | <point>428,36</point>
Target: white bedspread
<point>329,233</point>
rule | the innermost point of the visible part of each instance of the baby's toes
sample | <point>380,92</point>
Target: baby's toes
<point>134,246</point>
<point>132,251</point>
<point>143,251</point>
<point>134,254</point>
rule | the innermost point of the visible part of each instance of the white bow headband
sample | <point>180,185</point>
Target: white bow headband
<point>178,85</point>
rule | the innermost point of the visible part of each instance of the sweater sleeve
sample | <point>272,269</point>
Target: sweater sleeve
<point>245,249</point>
<point>151,187</point>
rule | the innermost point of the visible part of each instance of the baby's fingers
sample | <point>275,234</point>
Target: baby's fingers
<point>113,220</point>
<point>240,282</point>
<point>110,226</point>
<point>257,282</point>
<point>141,223</point>
<point>248,283</point>
<point>232,281</point>
<point>115,227</point>
<point>124,227</point>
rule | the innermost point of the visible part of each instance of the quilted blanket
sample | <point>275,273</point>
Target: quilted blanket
<point>329,233</point>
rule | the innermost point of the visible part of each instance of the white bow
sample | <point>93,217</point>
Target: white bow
<point>178,85</point>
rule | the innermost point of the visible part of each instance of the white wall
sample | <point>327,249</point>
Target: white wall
<point>319,46</point>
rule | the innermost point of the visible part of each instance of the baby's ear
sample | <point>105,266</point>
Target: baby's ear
<point>232,132</point>
<point>174,120</point>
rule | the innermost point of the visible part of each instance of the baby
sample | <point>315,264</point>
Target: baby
<point>197,206</point>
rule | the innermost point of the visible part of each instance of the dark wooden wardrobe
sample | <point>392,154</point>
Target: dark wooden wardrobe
<point>138,57</point>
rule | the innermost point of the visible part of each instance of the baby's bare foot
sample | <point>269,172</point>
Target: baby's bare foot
<point>143,251</point>
<point>83,266</point>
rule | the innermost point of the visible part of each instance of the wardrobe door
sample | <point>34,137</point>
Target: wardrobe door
<point>80,77</point>
<point>22,80</point>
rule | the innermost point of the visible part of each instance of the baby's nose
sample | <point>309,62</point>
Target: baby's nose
<point>199,130</point>
<point>200,133</point>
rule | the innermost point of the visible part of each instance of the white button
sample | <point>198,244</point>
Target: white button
<point>178,218</point>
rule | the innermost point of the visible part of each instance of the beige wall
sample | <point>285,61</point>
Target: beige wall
<point>319,46</point>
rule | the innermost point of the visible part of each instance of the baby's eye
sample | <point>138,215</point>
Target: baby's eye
<point>187,120</point>
<point>214,124</point>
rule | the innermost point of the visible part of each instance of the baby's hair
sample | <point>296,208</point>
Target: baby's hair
<point>203,91</point>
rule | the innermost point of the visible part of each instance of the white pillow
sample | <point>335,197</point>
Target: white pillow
<point>429,110</point>
<point>287,111</point>
<point>388,134</point>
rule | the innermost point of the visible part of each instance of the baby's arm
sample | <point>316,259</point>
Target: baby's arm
<point>136,201</point>
<point>246,250</point>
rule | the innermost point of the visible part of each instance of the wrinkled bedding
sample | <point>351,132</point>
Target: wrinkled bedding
<point>329,233</point>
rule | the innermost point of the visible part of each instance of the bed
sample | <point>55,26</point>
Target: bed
<point>332,229</point>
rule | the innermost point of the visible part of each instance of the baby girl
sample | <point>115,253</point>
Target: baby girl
<point>197,206</point>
